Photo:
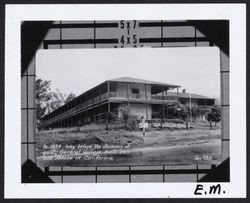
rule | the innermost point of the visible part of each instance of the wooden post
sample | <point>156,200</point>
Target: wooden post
<point>167,99</point>
<point>108,87</point>
<point>82,118</point>
<point>99,114</point>
<point>108,110</point>
<point>178,103</point>
<point>107,127</point>
<point>128,94</point>
<point>178,94</point>
<point>162,107</point>
<point>107,118</point>
<point>108,107</point>
<point>78,124</point>
<point>186,124</point>
<point>127,90</point>
<point>146,98</point>
<point>190,106</point>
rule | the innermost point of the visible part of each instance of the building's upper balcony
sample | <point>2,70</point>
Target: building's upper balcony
<point>147,98</point>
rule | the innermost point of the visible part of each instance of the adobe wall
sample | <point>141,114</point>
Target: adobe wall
<point>122,89</point>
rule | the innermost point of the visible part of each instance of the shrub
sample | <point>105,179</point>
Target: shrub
<point>112,116</point>
<point>129,120</point>
<point>214,115</point>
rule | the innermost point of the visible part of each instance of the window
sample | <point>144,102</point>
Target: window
<point>135,91</point>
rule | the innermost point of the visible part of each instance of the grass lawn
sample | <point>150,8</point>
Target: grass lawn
<point>173,145</point>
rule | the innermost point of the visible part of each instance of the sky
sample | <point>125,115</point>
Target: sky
<point>196,69</point>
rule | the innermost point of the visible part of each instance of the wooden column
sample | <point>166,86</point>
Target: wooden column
<point>128,94</point>
<point>146,98</point>
<point>163,109</point>
<point>190,107</point>
<point>127,90</point>
<point>107,117</point>
<point>108,88</point>
<point>166,94</point>
<point>99,112</point>
<point>108,106</point>
<point>177,93</point>
<point>163,104</point>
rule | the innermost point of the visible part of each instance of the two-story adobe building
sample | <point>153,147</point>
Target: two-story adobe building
<point>142,97</point>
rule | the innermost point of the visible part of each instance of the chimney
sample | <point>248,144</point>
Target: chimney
<point>184,91</point>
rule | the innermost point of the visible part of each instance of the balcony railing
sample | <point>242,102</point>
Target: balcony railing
<point>127,96</point>
<point>141,96</point>
<point>85,104</point>
<point>120,95</point>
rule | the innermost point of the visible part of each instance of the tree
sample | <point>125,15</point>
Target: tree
<point>214,115</point>
<point>57,100</point>
<point>46,100</point>
<point>69,97</point>
<point>43,96</point>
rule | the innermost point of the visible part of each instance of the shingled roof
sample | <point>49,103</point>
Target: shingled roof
<point>141,81</point>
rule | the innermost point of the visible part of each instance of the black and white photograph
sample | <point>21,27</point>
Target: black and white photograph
<point>146,102</point>
<point>128,106</point>
<point>127,94</point>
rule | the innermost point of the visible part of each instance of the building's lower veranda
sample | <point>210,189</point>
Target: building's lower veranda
<point>144,99</point>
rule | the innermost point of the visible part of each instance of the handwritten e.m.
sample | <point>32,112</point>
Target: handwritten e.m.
<point>213,189</point>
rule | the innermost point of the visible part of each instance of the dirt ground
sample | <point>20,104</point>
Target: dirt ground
<point>173,145</point>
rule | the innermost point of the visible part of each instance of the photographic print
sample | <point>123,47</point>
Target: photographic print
<point>125,100</point>
<point>150,101</point>
<point>100,107</point>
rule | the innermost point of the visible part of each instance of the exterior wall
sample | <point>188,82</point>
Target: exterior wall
<point>144,90</point>
<point>138,110</point>
<point>123,88</point>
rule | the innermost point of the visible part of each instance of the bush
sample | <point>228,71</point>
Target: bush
<point>129,120</point>
<point>214,115</point>
<point>112,116</point>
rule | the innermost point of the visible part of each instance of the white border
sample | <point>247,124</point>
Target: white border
<point>236,13</point>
